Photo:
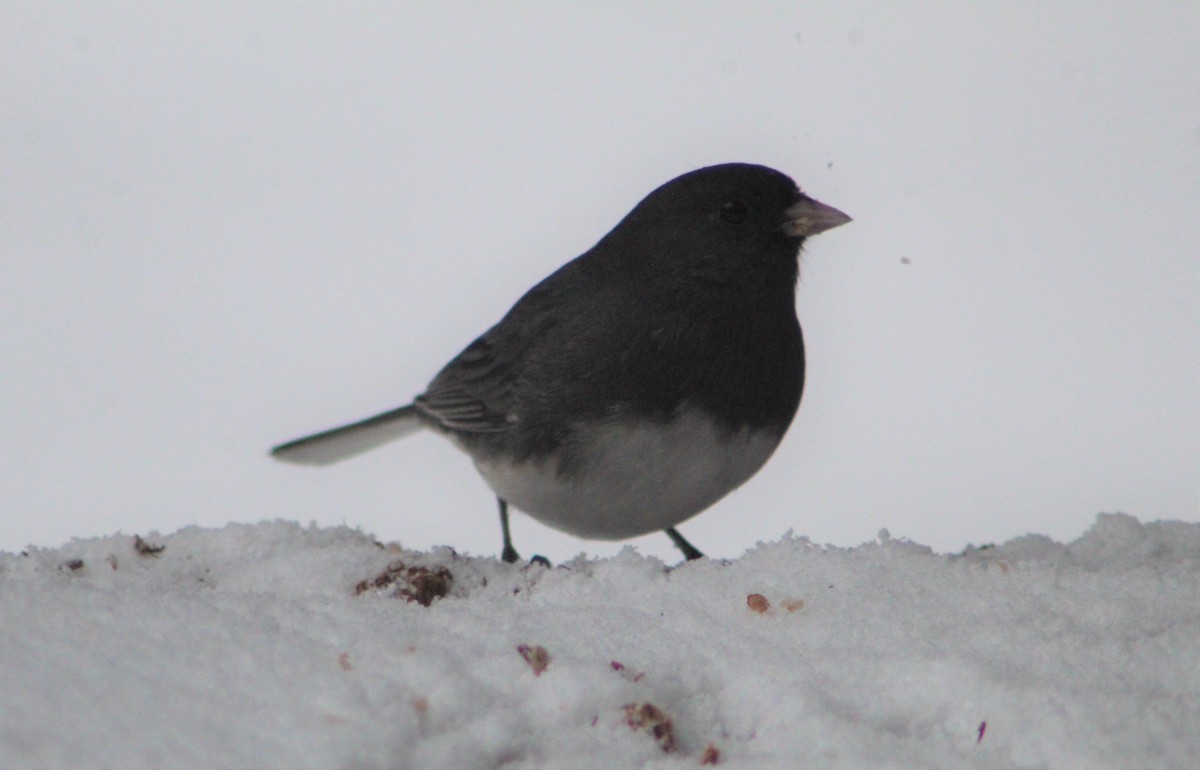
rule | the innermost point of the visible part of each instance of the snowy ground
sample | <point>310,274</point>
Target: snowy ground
<point>249,646</point>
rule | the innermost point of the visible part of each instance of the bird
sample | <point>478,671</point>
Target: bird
<point>640,382</point>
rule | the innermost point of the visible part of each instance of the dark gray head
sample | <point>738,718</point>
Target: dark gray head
<point>716,218</point>
<point>743,194</point>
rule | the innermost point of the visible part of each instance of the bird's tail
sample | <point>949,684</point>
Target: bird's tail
<point>337,444</point>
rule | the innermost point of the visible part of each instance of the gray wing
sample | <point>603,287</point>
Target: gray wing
<point>474,392</point>
<point>480,390</point>
<point>546,356</point>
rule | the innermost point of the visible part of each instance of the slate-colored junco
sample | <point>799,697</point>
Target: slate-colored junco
<point>640,382</point>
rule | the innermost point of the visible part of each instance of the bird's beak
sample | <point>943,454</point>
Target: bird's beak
<point>809,217</point>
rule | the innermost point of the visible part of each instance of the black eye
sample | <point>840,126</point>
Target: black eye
<point>734,212</point>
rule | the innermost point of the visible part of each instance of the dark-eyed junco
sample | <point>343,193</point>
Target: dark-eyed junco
<point>642,381</point>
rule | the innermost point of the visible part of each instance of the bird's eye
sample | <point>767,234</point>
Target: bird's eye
<point>734,212</point>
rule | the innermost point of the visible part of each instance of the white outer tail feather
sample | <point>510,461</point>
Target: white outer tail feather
<point>337,444</point>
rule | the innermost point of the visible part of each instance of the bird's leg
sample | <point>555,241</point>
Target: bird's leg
<point>509,554</point>
<point>689,551</point>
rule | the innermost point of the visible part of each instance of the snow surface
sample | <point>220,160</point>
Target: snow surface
<point>249,646</point>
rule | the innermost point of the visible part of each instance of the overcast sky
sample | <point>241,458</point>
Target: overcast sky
<point>226,225</point>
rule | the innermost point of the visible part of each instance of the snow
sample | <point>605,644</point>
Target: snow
<point>250,646</point>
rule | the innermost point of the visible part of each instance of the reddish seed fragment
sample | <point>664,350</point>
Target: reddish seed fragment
<point>145,549</point>
<point>536,656</point>
<point>648,717</point>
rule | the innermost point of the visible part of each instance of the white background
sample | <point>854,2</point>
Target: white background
<point>225,226</point>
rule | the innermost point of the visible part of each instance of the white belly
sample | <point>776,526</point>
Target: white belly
<point>631,480</point>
